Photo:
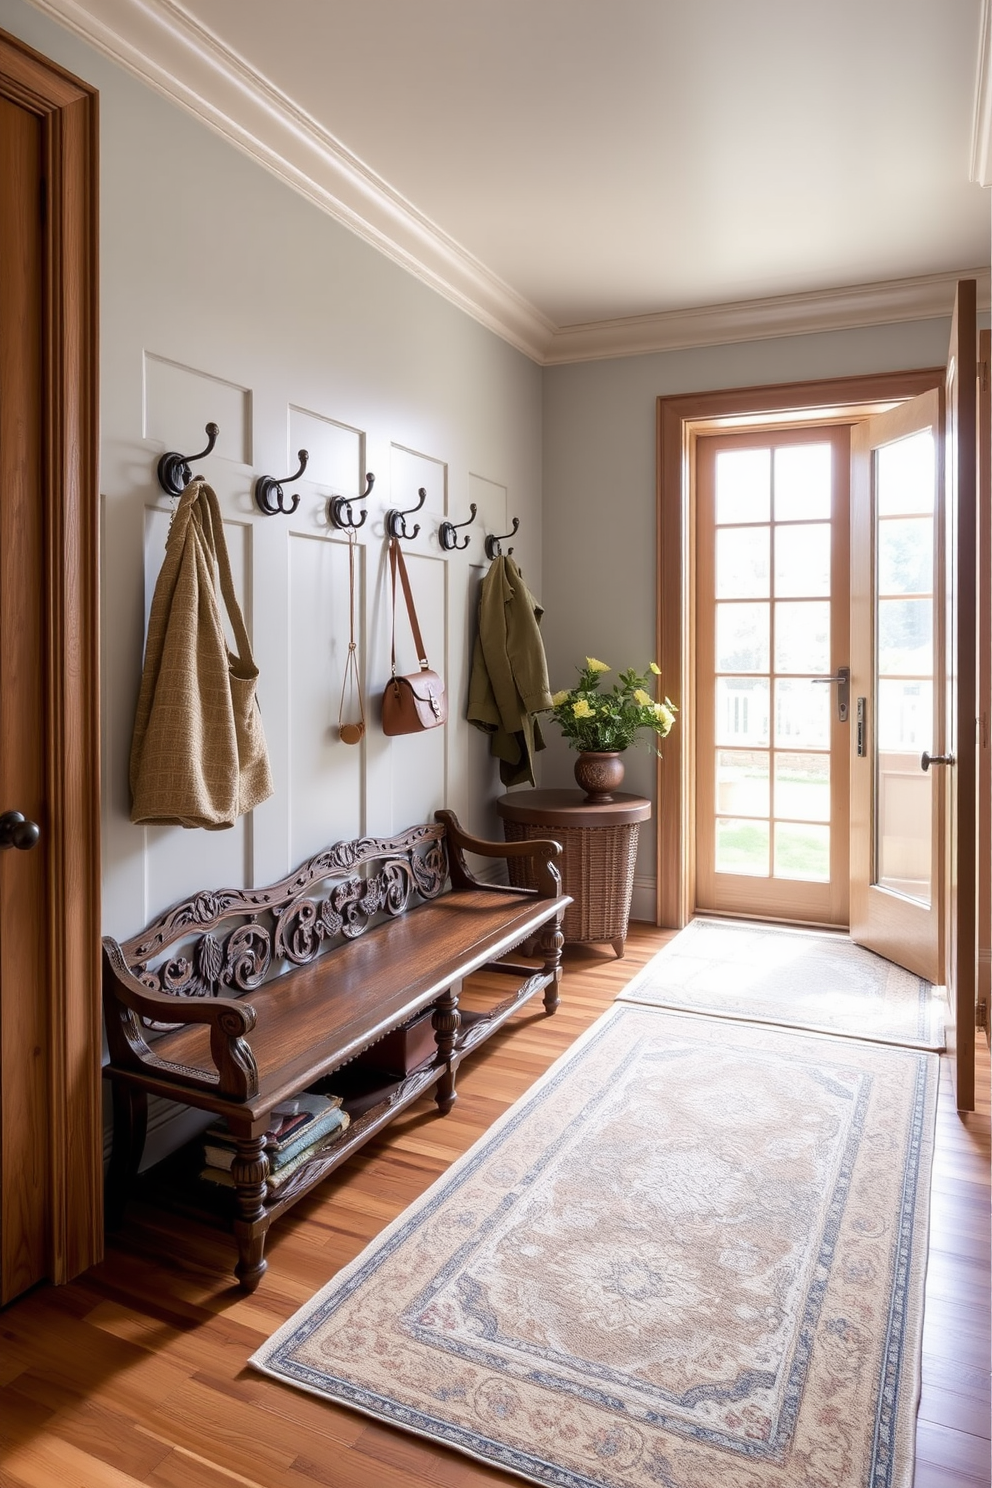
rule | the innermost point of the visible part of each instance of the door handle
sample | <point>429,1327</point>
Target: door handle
<point>843,680</point>
<point>17,831</point>
<point>926,760</point>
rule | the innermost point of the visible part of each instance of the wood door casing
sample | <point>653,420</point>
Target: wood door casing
<point>984,742</point>
<point>775,895</point>
<point>679,419</point>
<point>67,1228</point>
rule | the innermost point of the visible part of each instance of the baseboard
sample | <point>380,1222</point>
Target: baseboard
<point>644,900</point>
<point>169,1126</point>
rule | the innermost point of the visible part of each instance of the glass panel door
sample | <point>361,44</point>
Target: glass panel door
<point>897,808</point>
<point>771,629</point>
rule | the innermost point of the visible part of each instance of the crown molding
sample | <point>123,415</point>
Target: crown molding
<point>926,298</point>
<point>981,130</point>
<point>160,43</point>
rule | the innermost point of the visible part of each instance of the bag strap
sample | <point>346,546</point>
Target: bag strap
<point>396,561</point>
<point>352,675</point>
<point>212,527</point>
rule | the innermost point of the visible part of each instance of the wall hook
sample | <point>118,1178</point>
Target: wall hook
<point>493,549</point>
<point>396,520</point>
<point>269,495</point>
<point>446,531</point>
<point>174,474</point>
<point>340,507</point>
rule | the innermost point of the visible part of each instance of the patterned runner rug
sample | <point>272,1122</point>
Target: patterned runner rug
<point>691,1255</point>
<point>810,979</point>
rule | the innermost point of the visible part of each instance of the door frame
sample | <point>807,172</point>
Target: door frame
<point>68,111</point>
<point>679,419</point>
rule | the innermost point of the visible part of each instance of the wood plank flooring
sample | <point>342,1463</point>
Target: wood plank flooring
<point>135,1373</point>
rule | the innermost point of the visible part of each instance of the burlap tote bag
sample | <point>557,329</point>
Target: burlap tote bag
<point>198,755</point>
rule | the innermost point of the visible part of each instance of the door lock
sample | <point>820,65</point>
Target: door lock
<point>843,680</point>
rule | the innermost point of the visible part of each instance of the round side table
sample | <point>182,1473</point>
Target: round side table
<point>599,845</point>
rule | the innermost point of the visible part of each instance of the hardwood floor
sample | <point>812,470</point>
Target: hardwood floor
<point>135,1373</point>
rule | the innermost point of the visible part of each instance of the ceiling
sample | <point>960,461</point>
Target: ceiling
<point>591,177</point>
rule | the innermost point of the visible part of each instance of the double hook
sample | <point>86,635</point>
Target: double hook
<point>270,497</point>
<point>174,473</point>
<point>493,549</point>
<point>446,531</point>
<point>396,520</point>
<point>340,510</point>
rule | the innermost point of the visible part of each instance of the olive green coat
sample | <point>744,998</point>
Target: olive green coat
<point>509,681</point>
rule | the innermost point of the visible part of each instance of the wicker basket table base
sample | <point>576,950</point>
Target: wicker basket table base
<point>599,845</point>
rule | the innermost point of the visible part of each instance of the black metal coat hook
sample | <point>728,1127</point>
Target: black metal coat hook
<point>340,507</point>
<point>269,495</point>
<point>493,549</point>
<point>396,520</point>
<point>174,474</point>
<point>446,531</point>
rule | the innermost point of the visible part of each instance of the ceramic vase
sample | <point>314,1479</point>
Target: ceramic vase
<point>599,775</point>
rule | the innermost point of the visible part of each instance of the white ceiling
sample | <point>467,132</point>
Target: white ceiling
<point>553,164</point>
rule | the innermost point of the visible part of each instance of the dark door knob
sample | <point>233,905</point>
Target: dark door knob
<point>17,831</point>
<point>926,760</point>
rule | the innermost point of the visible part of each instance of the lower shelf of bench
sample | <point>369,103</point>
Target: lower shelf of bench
<point>372,1099</point>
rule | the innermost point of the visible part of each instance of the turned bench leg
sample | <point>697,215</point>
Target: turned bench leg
<point>552,943</point>
<point>446,1020</point>
<point>130,1125</point>
<point>250,1170</point>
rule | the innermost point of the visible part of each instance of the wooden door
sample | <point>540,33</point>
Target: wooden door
<point>914,676</point>
<point>50,1106</point>
<point>960,663</point>
<point>771,641</point>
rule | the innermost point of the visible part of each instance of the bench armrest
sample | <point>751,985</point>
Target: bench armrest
<point>127,1000</point>
<point>544,852</point>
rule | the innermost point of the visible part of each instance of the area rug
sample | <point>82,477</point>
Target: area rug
<point>691,1255</point>
<point>810,979</point>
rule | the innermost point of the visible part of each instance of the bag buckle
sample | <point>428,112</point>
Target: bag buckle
<point>436,706</point>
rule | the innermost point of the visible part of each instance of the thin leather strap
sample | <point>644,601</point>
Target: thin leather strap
<point>352,676</point>
<point>396,561</point>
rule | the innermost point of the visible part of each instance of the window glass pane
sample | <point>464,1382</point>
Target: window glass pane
<point>802,714</point>
<point>905,555</point>
<point>802,560</point>
<point>802,482</point>
<point>802,852</point>
<point>742,563</point>
<point>802,637</point>
<point>802,786</point>
<point>903,817</point>
<point>742,637</point>
<point>742,782</point>
<point>742,846</point>
<point>743,485</point>
<point>742,711</point>
<point>904,475</point>
<point>905,637</point>
<point>905,717</point>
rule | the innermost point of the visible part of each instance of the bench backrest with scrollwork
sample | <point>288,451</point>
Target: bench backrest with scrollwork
<point>225,942</point>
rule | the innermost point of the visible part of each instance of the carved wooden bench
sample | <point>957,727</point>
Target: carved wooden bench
<point>198,1012</point>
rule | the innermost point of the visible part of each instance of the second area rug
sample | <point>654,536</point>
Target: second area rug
<point>797,978</point>
<point>693,1254</point>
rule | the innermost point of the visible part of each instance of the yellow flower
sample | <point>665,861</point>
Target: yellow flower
<point>644,698</point>
<point>664,716</point>
<point>581,709</point>
<point>596,666</point>
<point>557,698</point>
<point>656,669</point>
